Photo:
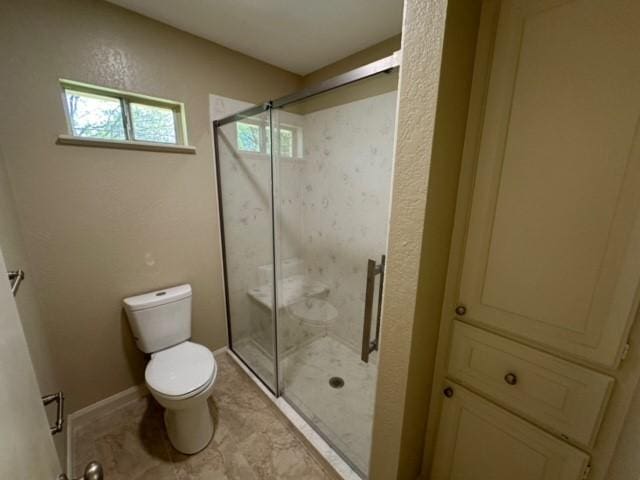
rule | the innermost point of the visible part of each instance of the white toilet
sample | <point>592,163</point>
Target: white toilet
<point>180,374</point>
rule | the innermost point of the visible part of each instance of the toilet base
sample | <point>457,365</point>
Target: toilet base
<point>189,430</point>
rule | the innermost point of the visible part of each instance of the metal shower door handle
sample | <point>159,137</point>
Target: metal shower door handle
<point>368,345</point>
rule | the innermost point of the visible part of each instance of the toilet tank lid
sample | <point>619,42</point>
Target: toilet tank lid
<point>157,297</point>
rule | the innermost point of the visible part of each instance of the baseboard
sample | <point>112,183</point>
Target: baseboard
<point>91,412</point>
<point>220,351</point>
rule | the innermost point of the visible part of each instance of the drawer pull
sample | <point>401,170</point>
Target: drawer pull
<point>511,378</point>
<point>448,392</point>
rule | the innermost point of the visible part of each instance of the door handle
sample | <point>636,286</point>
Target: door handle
<point>369,345</point>
<point>93,471</point>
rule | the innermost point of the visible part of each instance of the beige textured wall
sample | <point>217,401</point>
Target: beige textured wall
<point>100,224</point>
<point>423,31</point>
<point>15,257</point>
<point>368,55</point>
<point>363,89</point>
<point>428,154</point>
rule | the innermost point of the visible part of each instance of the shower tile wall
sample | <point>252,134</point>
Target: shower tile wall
<point>348,152</point>
<point>334,206</point>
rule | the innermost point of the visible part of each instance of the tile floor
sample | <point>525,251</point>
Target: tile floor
<point>252,440</point>
<point>344,415</point>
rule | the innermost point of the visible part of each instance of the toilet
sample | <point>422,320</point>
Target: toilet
<point>180,374</point>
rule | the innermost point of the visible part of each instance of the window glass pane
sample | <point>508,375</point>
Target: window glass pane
<point>286,142</point>
<point>153,124</point>
<point>95,116</point>
<point>248,137</point>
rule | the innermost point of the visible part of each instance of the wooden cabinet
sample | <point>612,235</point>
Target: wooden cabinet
<point>553,246</point>
<point>561,396</point>
<point>480,441</point>
<point>546,251</point>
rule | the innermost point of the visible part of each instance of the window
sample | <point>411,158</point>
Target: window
<point>95,116</point>
<point>254,137</point>
<point>286,142</point>
<point>249,137</point>
<point>98,113</point>
<point>153,124</point>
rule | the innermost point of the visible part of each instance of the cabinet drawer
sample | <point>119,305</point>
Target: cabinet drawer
<point>478,440</point>
<point>559,395</point>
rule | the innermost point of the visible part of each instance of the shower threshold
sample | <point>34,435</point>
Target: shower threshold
<point>339,420</point>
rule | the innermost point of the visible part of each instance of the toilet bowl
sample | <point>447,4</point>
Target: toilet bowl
<point>180,374</point>
<point>181,379</point>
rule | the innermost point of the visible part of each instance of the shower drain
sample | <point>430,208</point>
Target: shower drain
<point>336,382</point>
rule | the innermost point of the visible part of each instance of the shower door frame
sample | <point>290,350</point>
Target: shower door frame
<point>217,124</point>
<point>384,65</point>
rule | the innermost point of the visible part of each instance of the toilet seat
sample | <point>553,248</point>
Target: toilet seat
<point>181,371</point>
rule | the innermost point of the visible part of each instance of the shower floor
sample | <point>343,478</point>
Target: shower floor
<point>344,415</point>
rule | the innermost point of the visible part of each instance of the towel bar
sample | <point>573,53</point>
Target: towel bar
<point>15,278</point>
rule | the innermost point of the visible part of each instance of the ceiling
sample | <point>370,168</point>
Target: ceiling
<point>297,35</point>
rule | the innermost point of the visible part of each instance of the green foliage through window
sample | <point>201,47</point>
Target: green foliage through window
<point>254,137</point>
<point>248,137</point>
<point>95,116</point>
<point>286,142</point>
<point>153,124</point>
<point>95,112</point>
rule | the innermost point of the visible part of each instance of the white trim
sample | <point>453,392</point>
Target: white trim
<point>91,412</point>
<point>220,351</point>
<point>124,144</point>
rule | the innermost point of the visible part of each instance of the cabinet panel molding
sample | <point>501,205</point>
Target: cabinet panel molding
<point>553,247</point>
<point>478,440</point>
<point>561,396</point>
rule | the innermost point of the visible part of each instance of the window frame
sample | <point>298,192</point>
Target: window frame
<point>125,99</point>
<point>294,140</point>
<point>263,143</point>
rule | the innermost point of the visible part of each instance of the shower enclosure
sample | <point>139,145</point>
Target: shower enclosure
<point>304,190</point>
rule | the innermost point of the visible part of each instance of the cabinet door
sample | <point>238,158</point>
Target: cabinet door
<point>480,441</point>
<point>553,248</point>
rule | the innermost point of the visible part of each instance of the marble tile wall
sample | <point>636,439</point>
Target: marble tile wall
<point>333,206</point>
<point>348,152</point>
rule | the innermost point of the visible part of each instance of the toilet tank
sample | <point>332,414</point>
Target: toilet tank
<point>160,319</point>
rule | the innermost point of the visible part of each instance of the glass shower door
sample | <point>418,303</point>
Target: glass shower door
<point>244,173</point>
<point>333,158</point>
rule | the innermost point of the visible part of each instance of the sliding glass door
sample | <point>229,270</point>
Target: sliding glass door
<point>245,190</point>
<point>304,192</point>
<point>333,155</point>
